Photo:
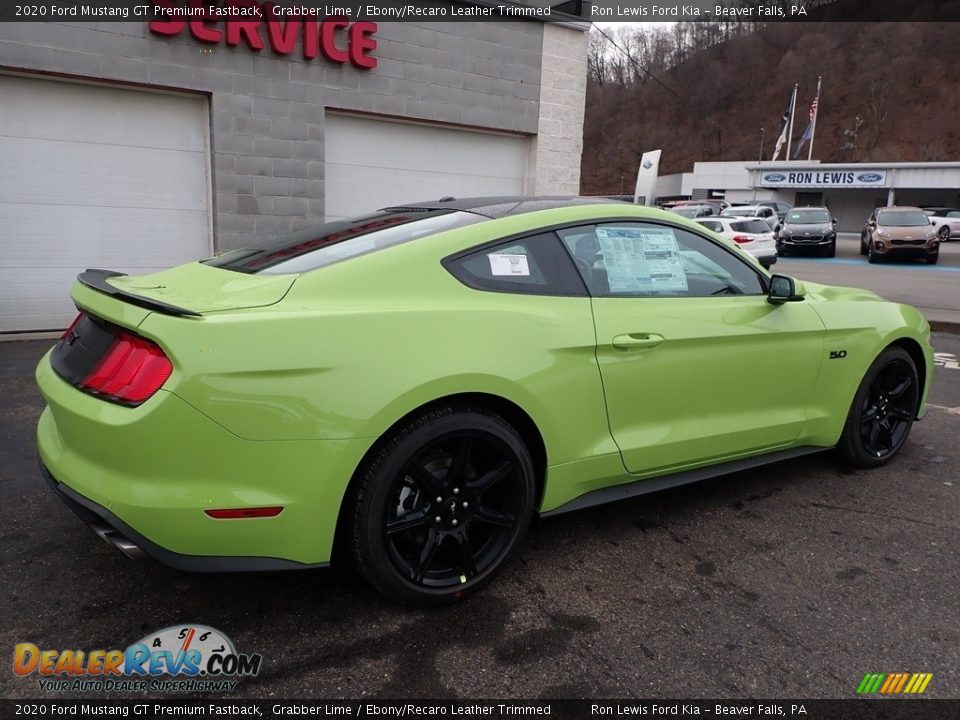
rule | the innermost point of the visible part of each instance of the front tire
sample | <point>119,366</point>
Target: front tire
<point>442,506</point>
<point>934,258</point>
<point>944,233</point>
<point>882,412</point>
<point>831,250</point>
<point>872,256</point>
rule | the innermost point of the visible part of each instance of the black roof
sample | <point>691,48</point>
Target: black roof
<point>497,207</point>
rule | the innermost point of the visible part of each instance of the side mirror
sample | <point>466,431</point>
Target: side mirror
<point>785,289</point>
<point>933,222</point>
<point>833,220</point>
<point>872,223</point>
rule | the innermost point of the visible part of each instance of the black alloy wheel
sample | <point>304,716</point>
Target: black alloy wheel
<point>883,410</point>
<point>443,506</point>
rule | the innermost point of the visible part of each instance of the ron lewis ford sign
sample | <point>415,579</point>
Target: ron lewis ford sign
<point>824,178</point>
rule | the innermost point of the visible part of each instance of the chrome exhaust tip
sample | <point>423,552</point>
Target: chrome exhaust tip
<point>119,541</point>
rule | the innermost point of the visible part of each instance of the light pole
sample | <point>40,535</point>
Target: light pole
<point>759,160</point>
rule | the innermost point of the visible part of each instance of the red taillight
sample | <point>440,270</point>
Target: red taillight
<point>132,370</point>
<point>69,330</point>
<point>741,239</point>
<point>239,513</point>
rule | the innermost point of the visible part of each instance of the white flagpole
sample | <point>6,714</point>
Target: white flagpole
<point>793,106</point>
<point>813,130</point>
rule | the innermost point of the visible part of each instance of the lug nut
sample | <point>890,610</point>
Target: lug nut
<point>453,522</point>
<point>439,499</point>
<point>456,491</point>
<point>466,504</point>
<point>437,518</point>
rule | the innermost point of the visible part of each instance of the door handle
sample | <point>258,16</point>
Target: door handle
<point>637,340</point>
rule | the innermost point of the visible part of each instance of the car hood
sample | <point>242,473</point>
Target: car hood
<point>203,288</point>
<point>808,227</point>
<point>912,232</point>
<point>828,293</point>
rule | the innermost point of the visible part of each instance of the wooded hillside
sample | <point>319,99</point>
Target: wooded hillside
<point>711,87</point>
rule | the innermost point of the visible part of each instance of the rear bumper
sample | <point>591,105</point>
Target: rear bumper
<point>117,533</point>
<point>144,476</point>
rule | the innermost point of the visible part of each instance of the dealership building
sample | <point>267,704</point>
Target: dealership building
<point>850,190</point>
<point>138,145</point>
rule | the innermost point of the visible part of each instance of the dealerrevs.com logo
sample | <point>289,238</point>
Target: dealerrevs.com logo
<point>182,658</point>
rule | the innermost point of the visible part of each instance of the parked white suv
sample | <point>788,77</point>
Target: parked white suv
<point>750,233</point>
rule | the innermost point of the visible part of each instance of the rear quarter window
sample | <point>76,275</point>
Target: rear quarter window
<point>533,265</point>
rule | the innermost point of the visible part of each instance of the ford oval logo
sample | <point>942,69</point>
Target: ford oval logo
<point>774,177</point>
<point>870,177</point>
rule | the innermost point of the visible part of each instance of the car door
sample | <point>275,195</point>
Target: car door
<point>696,365</point>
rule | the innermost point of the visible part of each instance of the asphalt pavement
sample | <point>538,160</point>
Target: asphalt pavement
<point>792,580</point>
<point>934,289</point>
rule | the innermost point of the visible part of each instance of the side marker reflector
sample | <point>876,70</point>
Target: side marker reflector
<point>240,513</point>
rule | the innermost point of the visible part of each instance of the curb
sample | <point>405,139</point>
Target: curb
<point>945,326</point>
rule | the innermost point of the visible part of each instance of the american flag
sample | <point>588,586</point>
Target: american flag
<point>813,108</point>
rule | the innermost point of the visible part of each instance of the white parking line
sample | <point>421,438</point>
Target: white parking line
<point>948,410</point>
<point>946,360</point>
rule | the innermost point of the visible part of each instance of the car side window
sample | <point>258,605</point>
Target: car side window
<point>953,214</point>
<point>628,259</point>
<point>713,225</point>
<point>534,265</point>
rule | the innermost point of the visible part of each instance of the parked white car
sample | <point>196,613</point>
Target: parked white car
<point>946,221</point>
<point>768,214</point>
<point>753,234</point>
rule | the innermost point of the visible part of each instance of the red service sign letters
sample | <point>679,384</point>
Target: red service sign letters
<point>337,39</point>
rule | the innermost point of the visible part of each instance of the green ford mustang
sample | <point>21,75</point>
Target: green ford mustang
<point>413,385</point>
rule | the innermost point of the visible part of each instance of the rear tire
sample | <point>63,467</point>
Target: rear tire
<point>442,506</point>
<point>944,233</point>
<point>882,412</point>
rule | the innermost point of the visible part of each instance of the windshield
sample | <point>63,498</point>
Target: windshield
<point>902,218</point>
<point>691,211</point>
<point>339,240</point>
<point>808,217</point>
<point>739,212</point>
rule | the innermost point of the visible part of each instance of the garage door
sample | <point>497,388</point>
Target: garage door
<point>370,164</point>
<point>94,177</point>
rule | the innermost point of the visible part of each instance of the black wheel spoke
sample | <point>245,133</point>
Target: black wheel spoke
<point>490,516</point>
<point>467,561</point>
<point>409,521</point>
<point>425,479</point>
<point>873,435</point>
<point>492,477</point>
<point>427,555</point>
<point>900,388</point>
<point>869,414</point>
<point>901,414</point>
<point>461,455</point>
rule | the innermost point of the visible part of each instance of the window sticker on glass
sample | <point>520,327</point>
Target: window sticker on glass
<point>508,264</point>
<point>642,259</point>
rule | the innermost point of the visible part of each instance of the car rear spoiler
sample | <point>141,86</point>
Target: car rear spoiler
<point>97,280</point>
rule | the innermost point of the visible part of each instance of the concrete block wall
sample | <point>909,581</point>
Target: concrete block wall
<point>267,111</point>
<point>556,151</point>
